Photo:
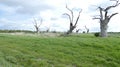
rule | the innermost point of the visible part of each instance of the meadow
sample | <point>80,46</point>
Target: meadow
<point>83,50</point>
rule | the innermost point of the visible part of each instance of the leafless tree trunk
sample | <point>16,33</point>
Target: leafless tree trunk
<point>87,30</point>
<point>71,18</point>
<point>37,25</point>
<point>105,18</point>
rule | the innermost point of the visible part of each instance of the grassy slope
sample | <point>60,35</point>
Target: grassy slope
<point>74,51</point>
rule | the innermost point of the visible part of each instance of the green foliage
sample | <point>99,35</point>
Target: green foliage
<point>97,34</point>
<point>82,50</point>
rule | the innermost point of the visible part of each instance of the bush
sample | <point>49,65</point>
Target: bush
<point>97,34</point>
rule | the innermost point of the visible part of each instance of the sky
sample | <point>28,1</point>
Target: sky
<point>20,14</point>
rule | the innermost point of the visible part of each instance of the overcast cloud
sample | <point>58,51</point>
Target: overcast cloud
<point>19,14</point>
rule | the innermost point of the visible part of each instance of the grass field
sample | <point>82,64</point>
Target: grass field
<point>83,50</point>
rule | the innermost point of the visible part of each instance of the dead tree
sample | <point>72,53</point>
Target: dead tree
<point>48,29</point>
<point>71,19</point>
<point>77,30</point>
<point>87,30</point>
<point>37,25</point>
<point>105,18</point>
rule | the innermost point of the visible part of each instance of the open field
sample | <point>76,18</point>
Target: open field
<point>83,50</point>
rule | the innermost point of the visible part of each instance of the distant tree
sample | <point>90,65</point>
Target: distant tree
<point>48,29</point>
<point>71,18</point>
<point>37,25</point>
<point>77,30</point>
<point>105,18</point>
<point>87,30</point>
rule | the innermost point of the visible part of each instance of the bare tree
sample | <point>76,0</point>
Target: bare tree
<point>105,18</point>
<point>77,30</point>
<point>71,18</point>
<point>48,29</point>
<point>87,30</point>
<point>37,25</point>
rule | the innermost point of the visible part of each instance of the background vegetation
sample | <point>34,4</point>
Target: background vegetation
<point>14,31</point>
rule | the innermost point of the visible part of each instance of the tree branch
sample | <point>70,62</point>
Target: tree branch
<point>68,16</point>
<point>112,15</point>
<point>101,14</point>
<point>106,12</point>
<point>72,16</point>
<point>78,17</point>
<point>94,17</point>
<point>40,23</point>
<point>35,22</point>
<point>109,7</point>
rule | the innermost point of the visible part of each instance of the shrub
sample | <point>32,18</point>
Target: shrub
<point>97,34</point>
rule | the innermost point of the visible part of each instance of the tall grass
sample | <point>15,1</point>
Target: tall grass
<point>72,51</point>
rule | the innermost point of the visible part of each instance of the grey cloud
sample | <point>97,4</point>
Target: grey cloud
<point>54,19</point>
<point>8,25</point>
<point>21,2</point>
<point>32,10</point>
<point>9,2</point>
<point>23,7</point>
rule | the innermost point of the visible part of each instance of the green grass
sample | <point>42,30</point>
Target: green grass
<point>73,51</point>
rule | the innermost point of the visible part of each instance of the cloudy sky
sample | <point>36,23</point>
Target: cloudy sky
<point>19,14</point>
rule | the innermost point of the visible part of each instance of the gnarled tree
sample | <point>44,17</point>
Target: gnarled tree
<point>37,25</point>
<point>104,17</point>
<point>71,19</point>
